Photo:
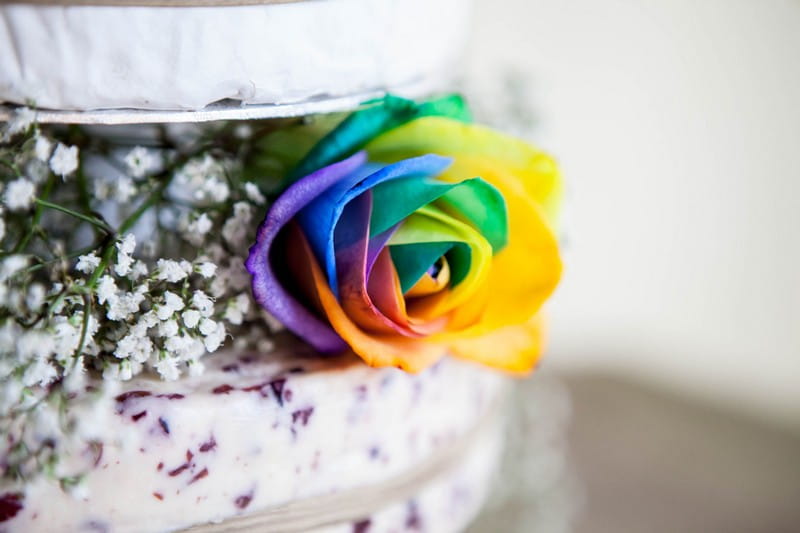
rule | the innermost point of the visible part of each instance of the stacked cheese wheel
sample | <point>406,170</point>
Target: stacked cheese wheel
<point>285,442</point>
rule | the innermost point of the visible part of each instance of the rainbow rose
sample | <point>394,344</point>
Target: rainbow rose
<point>408,233</point>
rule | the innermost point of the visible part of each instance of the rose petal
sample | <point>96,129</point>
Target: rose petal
<point>320,217</point>
<point>527,271</point>
<point>364,125</point>
<point>267,289</point>
<point>473,200</point>
<point>431,225</point>
<point>406,353</point>
<point>374,302</point>
<point>351,243</point>
<point>533,173</point>
<point>515,349</point>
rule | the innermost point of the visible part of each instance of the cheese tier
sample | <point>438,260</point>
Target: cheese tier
<point>102,57</point>
<point>281,437</point>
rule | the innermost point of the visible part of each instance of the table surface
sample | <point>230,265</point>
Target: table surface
<point>602,454</point>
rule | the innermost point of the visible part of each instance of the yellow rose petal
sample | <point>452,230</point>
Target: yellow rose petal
<point>535,171</point>
<point>513,349</point>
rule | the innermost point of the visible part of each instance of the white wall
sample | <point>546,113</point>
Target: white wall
<point>677,124</point>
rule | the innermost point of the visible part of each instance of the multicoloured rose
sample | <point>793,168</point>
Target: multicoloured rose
<point>408,233</point>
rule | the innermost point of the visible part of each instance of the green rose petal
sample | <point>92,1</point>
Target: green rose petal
<point>366,124</point>
<point>474,201</point>
<point>412,260</point>
<point>469,253</point>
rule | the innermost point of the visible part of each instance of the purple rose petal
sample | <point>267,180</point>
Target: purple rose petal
<point>267,289</point>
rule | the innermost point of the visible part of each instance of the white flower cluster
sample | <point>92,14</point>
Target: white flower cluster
<point>201,181</point>
<point>80,299</point>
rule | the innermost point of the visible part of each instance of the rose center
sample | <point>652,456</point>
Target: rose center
<point>435,279</point>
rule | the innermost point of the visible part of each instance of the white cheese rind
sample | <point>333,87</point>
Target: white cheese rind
<point>101,57</point>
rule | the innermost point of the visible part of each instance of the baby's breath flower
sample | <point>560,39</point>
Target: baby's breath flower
<point>201,181</point>
<point>124,189</point>
<point>237,228</point>
<point>139,348</point>
<point>207,326</point>
<point>207,269</point>
<point>171,271</point>
<point>168,328</point>
<point>64,160</point>
<point>12,265</point>
<point>195,227</point>
<point>167,367</point>
<point>125,248</point>
<point>237,308</point>
<point>203,303</point>
<point>106,289</point>
<point>216,252</point>
<point>125,304</point>
<point>75,376</point>
<point>144,323</point>
<point>10,394</point>
<point>215,340</point>
<point>173,301</point>
<point>184,347</point>
<point>138,270</point>
<point>36,347</point>
<point>125,370</point>
<point>19,195</point>
<point>43,148</point>
<point>34,344</point>
<point>254,194</point>
<point>87,263</point>
<point>111,371</point>
<point>35,296</point>
<point>126,346</point>
<point>164,312</point>
<point>191,317</point>
<point>140,161</point>
<point>20,122</point>
<point>67,337</point>
<point>196,368</point>
<point>243,131</point>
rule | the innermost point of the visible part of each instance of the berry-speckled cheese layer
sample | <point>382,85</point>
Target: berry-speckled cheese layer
<point>254,433</point>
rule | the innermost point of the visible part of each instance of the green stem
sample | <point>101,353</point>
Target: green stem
<point>71,255</point>
<point>11,166</point>
<point>37,216</point>
<point>83,190</point>
<point>87,313</point>
<point>91,220</point>
<point>129,222</point>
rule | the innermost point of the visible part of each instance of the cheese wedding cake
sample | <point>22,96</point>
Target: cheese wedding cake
<point>287,324</point>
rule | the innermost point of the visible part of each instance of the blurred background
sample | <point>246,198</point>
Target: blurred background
<point>675,338</point>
